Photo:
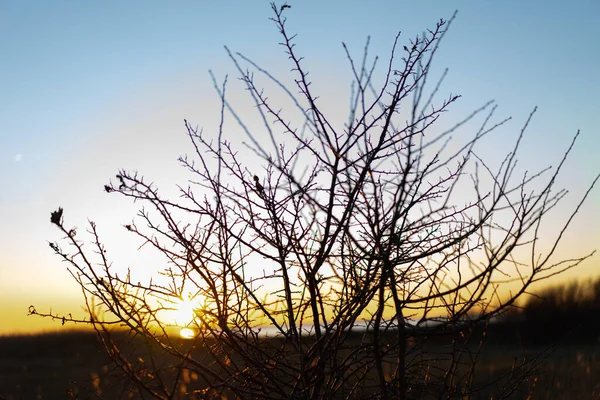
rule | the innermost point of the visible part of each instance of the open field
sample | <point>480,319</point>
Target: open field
<point>57,366</point>
<point>48,366</point>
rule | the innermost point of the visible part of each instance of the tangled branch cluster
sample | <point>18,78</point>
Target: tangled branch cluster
<point>353,243</point>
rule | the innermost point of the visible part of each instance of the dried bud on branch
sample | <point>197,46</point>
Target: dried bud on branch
<point>56,217</point>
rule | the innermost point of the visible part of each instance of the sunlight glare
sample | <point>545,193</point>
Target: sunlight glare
<point>187,333</point>
<point>182,313</point>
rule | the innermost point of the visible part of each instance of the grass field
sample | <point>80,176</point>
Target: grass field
<point>58,366</point>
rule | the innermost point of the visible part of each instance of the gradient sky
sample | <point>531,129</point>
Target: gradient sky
<point>88,87</point>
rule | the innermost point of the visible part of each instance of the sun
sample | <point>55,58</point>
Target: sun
<point>187,333</point>
<point>181,312</point>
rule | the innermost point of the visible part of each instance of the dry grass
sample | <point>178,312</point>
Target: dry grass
<point>55,366</point>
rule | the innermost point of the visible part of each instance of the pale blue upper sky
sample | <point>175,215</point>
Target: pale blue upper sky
<point>91,87</point>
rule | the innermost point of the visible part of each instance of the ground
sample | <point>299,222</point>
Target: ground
<point>57,366</point>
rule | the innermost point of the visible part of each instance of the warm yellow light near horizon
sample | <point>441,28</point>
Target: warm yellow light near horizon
<point>187,333</point>
<point>181,313</point>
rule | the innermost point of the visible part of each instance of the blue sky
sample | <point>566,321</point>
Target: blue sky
<point>91,87</point>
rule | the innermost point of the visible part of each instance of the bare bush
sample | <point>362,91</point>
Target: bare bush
<point>352,242</point>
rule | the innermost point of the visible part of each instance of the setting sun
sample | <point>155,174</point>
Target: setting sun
<point>181,313</point>
<point>187,333</point>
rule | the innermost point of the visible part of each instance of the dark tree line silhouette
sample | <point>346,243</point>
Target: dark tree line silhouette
<point>568,313</point>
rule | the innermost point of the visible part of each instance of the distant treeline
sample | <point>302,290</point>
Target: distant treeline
<point>568,313</point>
